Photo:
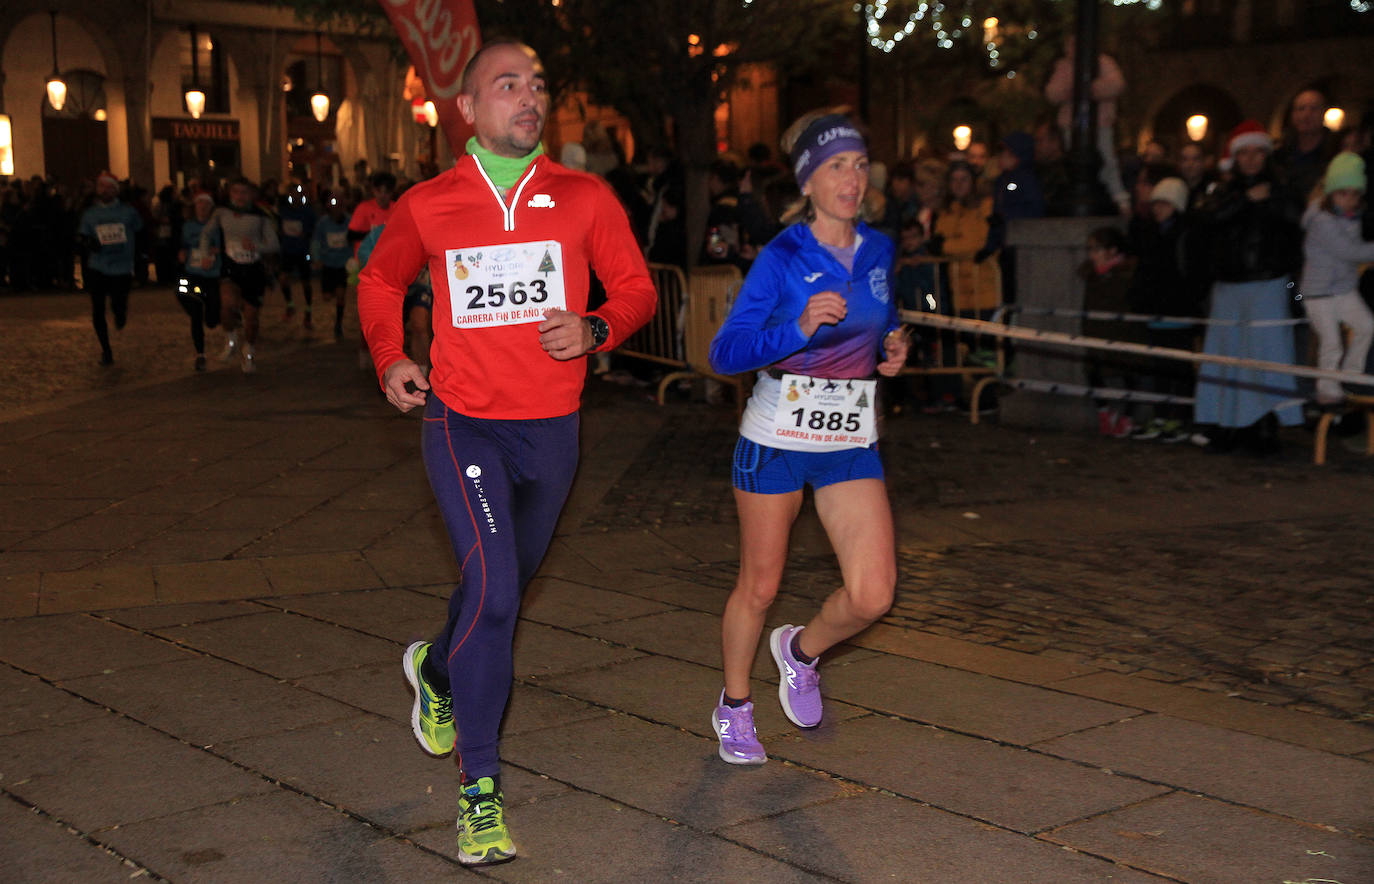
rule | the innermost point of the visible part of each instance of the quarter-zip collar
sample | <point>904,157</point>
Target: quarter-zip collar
<point>507,210</point>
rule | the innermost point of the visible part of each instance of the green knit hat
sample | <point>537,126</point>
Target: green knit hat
<point>1346,172</point>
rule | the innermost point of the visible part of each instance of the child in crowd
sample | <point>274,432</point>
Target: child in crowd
<point>1166,284</point>
<point>1107,279</point>
<point>1333,252</point>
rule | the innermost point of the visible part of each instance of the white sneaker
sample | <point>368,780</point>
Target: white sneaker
<point>250,361</point>
<point>231,347</point>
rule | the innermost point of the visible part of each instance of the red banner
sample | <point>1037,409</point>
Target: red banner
<point>440,36</point>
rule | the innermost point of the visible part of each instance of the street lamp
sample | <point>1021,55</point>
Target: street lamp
<point>431,114</point>
<point>1197,127</point>
<point>6,146</point>
<point>963,137</point>
<point>1334,118</point>
<point>57,87</point>
<point>319,102</point>
<point>195,98</point>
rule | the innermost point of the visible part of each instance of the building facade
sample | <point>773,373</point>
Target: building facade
<point>128,67</point>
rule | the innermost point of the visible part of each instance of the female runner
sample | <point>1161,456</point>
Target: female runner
<point>814,317</point>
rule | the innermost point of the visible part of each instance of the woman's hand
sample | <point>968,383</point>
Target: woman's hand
<point>824,308</point>
<point>896,345</point>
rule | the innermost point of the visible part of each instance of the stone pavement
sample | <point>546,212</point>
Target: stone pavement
<point>1107,660</point>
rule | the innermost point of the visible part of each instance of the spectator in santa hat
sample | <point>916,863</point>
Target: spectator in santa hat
<point>1256,248</point>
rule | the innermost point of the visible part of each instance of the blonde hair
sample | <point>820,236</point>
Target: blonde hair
<point>870,207</point>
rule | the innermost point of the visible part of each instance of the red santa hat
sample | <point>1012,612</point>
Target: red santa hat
<point>1248,134</point>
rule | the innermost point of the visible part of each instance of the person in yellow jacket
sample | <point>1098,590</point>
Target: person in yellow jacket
<point>962,230</point>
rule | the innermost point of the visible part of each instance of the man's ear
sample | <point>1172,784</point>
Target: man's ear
<point>465,108</point>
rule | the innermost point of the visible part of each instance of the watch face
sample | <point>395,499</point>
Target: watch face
<point>600,330</point>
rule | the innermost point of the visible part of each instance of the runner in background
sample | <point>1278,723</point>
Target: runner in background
<point>248,236</point>
<point>198,287</point>
<point>333,253</point>
<point>296,220</point>
<point>107,230</point>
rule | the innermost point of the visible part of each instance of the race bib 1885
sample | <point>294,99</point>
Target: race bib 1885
<point>825,414</point>
<point>506,284</point>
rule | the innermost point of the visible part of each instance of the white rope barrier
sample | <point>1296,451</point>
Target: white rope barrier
<point>1021,333</point>
<point>1146,317</point>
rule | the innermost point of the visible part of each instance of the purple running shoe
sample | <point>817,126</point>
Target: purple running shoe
<point>800,685</point>
<point>739,743</point>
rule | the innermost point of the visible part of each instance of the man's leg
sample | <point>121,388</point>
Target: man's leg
<point>97,285</point>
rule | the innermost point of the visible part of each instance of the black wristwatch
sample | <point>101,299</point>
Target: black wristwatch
<point>600,330</point>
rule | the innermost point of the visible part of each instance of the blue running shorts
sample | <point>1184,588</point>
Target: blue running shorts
<point>763,470</point>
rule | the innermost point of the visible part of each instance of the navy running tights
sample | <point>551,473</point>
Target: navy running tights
<point>500,486</point>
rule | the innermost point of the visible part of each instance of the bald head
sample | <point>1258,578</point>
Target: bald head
<point>504,98</point>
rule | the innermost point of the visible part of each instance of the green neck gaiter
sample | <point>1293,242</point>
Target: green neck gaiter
<point>503,171</point>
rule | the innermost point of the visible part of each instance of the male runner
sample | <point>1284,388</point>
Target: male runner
<point>507,235</point>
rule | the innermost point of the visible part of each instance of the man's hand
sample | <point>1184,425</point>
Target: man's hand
<point>1258,193</point>
<point>564,335</point>
<point>895,348</point>
<point>394,383</point>
<point>823,308</point>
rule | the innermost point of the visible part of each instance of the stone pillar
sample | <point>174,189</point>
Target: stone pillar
<point>1049,252</point>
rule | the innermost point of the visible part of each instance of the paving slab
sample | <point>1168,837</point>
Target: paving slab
<point>72,645</point>
<point>29,703</point>
<point>330,531</point>
<point>966,702</point>
<point>946,651</point>
<point>1291,780</point>
<point>534,708</point>
<point>114,587</point>
<point>277,837</point>
<point>682,694</point>
<point>37,848</point>
<point>551,837</point>
<point>404,565</point>
<point>664,771</point>
<point>160,616</point>
<point>191,544</point>
<point>669,591</point>
<point>560,602</point>
<point>367,610</point>
<point>874,837</point>
<point>685,635</point>
<point>379,688</point>
<point>205,701</point>
<point>109,771</point>
<point>1204,841</point>
<point>1004,785</point>
<point>541,651</point>
<point>366,765</point>
<point>211,581</point>
<point>19,594</point>
<point>633,548</point>
<point>282,645</point>
<point>1312,731</point>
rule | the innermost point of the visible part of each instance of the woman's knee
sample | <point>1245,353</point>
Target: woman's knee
<point>871,598</point>
<point>757,594</point>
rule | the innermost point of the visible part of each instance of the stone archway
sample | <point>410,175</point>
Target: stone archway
<point>1222,110</point>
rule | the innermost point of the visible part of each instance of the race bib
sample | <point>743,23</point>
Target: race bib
<point>201,258</point>
<point>111,234</point>
<point>164,231</point>
<point>825,414</point>
<point>336,239</point>
<point>241,254</point>
<point>292,227</point>
<point>505,285</point>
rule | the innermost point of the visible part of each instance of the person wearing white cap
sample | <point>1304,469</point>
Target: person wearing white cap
<point>1256,247</point>
<point>1165,284</point>
<point>107,229</point>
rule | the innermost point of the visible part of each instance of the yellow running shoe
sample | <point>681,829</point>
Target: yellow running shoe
<point>482,835</point>
<point>431,717</point>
